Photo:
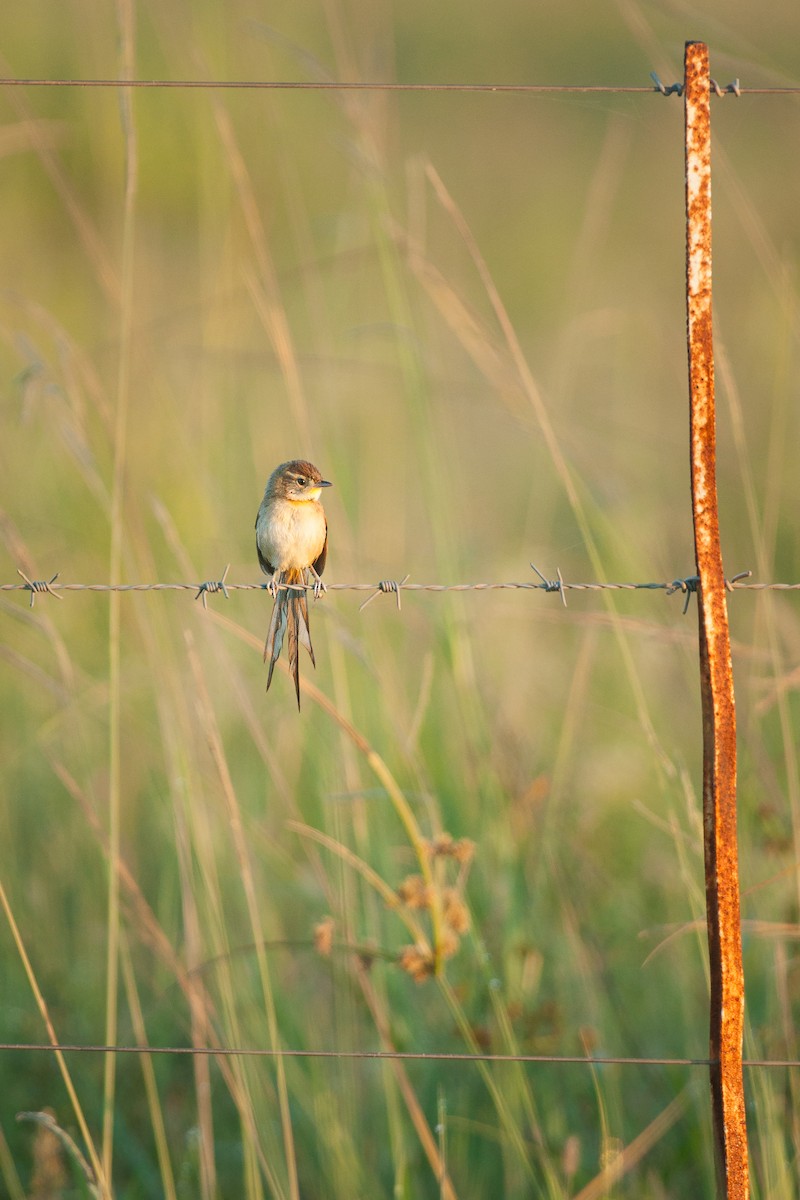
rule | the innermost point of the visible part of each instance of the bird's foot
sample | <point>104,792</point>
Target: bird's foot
<point>319,587</point>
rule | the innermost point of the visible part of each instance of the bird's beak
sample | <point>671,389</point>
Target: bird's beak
<point>324,483</point>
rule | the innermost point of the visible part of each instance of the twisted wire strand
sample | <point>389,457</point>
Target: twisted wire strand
<point>414,1055</point>
<point>686,585</point>
<point>289,1052</point>
<point>327,85</point>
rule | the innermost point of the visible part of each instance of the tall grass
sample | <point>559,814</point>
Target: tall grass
<point>483,832</point>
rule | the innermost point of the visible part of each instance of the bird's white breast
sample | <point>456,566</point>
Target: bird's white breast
<point>291,534</point>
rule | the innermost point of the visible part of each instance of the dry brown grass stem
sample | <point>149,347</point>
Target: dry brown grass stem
<point>94,1158</point>
<point>629,1156</point>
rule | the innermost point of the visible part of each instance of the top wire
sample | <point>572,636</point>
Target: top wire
<point>331,85</point>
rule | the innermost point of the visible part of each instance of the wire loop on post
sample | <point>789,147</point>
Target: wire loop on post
<point>688,586</point>
<point>691,584</point>
<point>673,89</point>
<point>731,89</point>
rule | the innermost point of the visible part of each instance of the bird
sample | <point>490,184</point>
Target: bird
<point>292,543</point>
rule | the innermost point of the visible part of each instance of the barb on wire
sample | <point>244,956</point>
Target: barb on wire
<point>386,587</point>
<point>39,586</point>
<point>212,586</point>
<point>552,585</point>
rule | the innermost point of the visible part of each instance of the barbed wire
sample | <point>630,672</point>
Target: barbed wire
<point>413,1055</point>
<point>686,585</point>
<point>330,85</point>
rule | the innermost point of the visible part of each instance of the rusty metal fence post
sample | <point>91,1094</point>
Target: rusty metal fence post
<point>716,674</point>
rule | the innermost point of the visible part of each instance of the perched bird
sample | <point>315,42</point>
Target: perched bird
<point>292,542</point>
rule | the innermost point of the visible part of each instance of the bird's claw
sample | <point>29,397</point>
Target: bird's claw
<point>319,588</point>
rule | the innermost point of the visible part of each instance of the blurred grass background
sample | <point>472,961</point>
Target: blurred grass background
<point>468,310</point>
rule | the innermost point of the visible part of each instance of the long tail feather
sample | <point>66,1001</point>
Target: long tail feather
<point>292,630</point>
<point>289,622</point>
<point>303,627</point>
<point>276,631</point>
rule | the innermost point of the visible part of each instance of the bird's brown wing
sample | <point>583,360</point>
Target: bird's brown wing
<point>321,559</point>
<point>266,565</point>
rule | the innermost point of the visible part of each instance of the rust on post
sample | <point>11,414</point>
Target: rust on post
<point>716,673</point>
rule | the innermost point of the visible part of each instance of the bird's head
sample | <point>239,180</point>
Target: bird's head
<point>297,480</point>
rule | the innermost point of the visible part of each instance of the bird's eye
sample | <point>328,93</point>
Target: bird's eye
<point>301,479</point>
